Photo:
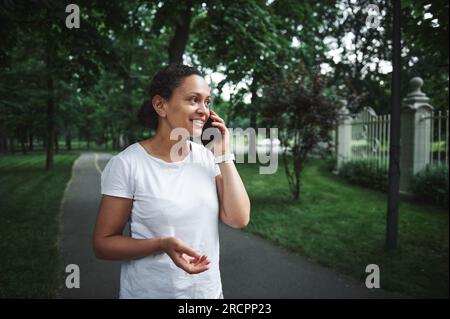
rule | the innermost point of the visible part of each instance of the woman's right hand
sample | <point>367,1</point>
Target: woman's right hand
<point>184,257</point>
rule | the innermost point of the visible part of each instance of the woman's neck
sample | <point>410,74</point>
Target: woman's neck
<point>161,144</point>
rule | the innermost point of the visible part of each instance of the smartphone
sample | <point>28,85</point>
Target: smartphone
<point>207,139</point>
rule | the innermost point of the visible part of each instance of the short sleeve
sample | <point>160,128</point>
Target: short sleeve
<point>217,169</point>
<point>213,165</point>
<point>116,178</point>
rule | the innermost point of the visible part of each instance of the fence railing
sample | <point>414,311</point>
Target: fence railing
<point>439,137</point>
<point>424,136</point>
<point>370,137</point>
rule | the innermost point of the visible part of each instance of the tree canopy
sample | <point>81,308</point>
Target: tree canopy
<point>89,82</point>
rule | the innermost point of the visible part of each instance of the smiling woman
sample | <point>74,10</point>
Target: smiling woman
<point>173,206</point>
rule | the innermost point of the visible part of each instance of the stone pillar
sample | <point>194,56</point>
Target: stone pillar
<point>343,137</point>
<point>415,141</point>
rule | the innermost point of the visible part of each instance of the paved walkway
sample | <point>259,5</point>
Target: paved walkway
<point>251,266</point>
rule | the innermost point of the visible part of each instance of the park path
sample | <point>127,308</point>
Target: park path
<point>251,267</point>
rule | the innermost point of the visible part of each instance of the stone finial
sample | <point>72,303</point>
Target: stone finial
<point>415,85</point>
<point>416,98</point>
<point>343,110</point>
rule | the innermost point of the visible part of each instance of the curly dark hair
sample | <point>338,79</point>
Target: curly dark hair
<point>163,83</point>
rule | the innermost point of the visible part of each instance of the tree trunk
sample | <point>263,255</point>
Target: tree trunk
<point>105,138</point>
<point>30,142</point>
<point>252,138</point>
<point>178,43</point>
<point>297,188</point>
<point>50,124</point>
<point>50,103</point>
<point>3,143</point>
<point>127,86</point>
<point>23,145</point>
<point>115,143</point>
<point>129,106</point>
<point>56,144</point>
<point>297,192</point>
<point>11,145</point>
<point>297,173</point>
<point>69,139</point>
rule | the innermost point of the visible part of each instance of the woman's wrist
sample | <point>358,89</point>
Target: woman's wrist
<point>163,243</point>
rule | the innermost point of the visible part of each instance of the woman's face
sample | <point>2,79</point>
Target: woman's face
<point>189,105</point>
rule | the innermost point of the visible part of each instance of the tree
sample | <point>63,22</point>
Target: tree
<point>425,34</point>
<point>175,17</point>
<point>61,55</point>
<point>360,70</point>
<point>304,117</point>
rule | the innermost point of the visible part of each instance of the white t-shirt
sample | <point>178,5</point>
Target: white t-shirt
<point>176,199</point>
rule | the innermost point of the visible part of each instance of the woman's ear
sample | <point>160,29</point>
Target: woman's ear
<point>159,104</point>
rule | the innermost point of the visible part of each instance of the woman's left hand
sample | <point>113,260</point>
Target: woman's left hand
<point>223,146</point>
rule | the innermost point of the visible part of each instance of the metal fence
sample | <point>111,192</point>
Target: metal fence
<point>439,137</point>
<point>424,136</point>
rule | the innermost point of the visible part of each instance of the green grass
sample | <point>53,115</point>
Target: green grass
<point>335,223</point>
<point>343,226</point>
<point>76,146</point>
<point>30,199</point>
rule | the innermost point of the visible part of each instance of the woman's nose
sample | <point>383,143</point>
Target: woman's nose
<point>202,107</point>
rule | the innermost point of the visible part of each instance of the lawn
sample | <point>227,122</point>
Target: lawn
<point>30,199</point>
<point>343,226</point>
<point>335,224</point>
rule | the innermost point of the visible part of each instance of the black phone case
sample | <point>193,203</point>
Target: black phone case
<point>206,140</point>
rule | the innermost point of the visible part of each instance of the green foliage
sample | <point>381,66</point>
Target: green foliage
<point>431,185</point>
<point>425,34</point>
<point>366,173</point>
<point>30,198</point>
<point>101,71</point>
<point>343,226</point>
<point>304,117</point>
<point>329,162</point>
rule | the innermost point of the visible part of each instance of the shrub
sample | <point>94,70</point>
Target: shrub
<point>330,162</point>
<point>366,173</point>
<point>431,185</point>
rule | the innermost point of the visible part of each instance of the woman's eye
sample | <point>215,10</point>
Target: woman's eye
<point>195,100</point>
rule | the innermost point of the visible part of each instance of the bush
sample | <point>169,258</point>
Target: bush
<point>366,173</point>
<point>330,162</point>
<point>431,185</point>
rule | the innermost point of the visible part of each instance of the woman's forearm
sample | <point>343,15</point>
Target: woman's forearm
<point>120,247</point>
<point>235,199</point>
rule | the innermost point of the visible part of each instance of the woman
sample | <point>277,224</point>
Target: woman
<point>173,206</point>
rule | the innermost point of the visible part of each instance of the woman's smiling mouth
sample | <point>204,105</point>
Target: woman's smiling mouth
<point>198,123</point>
